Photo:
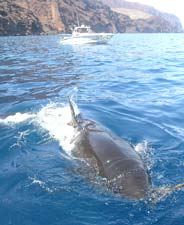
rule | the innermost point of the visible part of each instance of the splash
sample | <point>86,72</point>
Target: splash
<point>42,184</point>
<point>142,147</point>
<point>21,139</point>
<point>17,118</point>
<point>55,118</point>
<point>146,153</point>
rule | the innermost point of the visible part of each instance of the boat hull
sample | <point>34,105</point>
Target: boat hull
<point>91,38</point>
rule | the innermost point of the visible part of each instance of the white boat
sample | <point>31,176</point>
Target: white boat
<point>84,35</point>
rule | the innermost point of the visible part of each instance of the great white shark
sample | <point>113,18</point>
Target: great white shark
<point>114,158</point>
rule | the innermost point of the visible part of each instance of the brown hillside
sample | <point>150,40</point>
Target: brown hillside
<point>24,17</point>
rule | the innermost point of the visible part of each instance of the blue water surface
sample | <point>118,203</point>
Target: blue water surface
<point>134,86</point>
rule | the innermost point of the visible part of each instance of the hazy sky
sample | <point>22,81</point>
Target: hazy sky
<point>172,6</point>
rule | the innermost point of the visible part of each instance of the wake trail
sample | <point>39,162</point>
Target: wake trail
<point>54,118</point>
<point>17,118</point>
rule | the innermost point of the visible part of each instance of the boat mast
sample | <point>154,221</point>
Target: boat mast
<point>78,24</point>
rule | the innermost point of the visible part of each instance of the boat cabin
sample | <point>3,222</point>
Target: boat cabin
<point>82,29</point>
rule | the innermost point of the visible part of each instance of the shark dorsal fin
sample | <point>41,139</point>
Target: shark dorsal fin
<point>74,121</point>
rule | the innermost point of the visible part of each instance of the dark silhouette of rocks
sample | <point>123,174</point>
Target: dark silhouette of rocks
<point>16,20</point>
<point>25,17</point>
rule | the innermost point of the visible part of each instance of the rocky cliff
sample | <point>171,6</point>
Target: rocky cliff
<point>24,17</point>
<point>140,13</point>
<point>47,12</point>
<point>16,20</point>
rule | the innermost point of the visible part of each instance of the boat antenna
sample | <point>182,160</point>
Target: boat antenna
<point>78,21</point>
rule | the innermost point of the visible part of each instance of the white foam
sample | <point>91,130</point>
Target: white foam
<point>55,119</point>
<point>146,153</point>
<point>17,118</point>
<point>41,184</point>
<point>21,139</point>
<point>142,147</point>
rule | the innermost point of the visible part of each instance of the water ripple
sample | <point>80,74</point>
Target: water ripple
<point>133,86</point>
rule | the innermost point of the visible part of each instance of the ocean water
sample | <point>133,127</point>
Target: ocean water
<point>134,86</point>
